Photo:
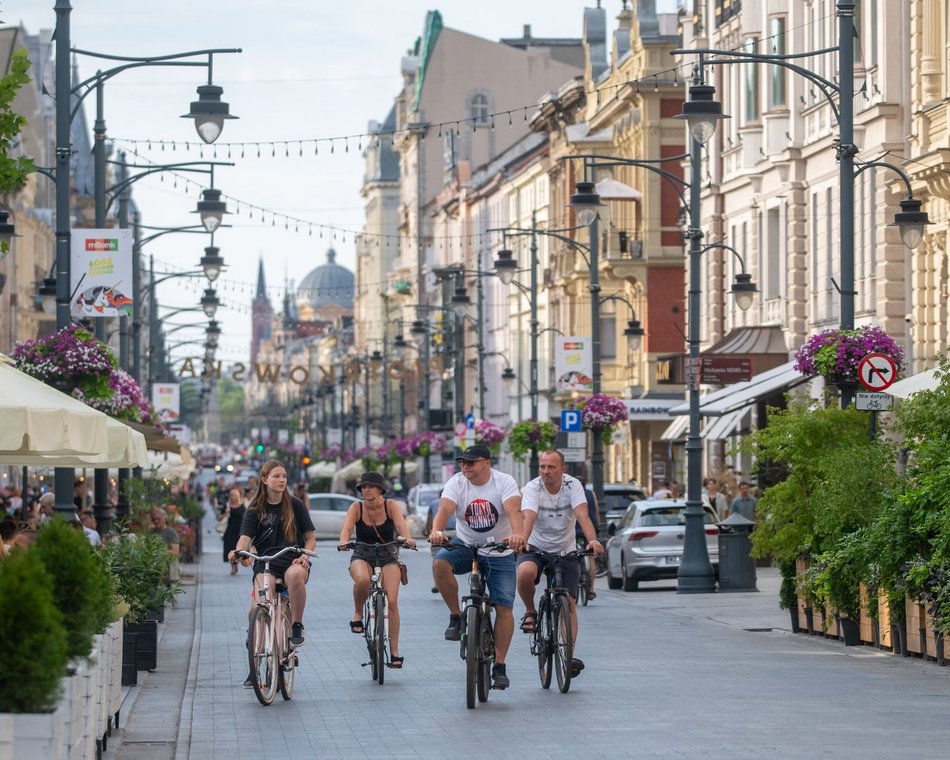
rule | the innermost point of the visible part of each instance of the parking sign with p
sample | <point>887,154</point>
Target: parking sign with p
<point>570,421</point>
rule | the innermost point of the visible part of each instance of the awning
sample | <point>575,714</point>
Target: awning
<point>739,395</point>
<point>725,427</point>
<point>614,190</point>
<point>922,381</point>
<point>126,448</point>
<point>321,470</point>
<point>676,429</point>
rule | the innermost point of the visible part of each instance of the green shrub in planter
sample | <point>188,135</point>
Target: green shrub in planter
<point>82,585</point>
<point>32,637</point>
<point>139,563</point>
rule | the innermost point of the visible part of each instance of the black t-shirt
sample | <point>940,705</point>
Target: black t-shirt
<point>267,534</point>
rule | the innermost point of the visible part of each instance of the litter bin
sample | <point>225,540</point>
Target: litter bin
<point>736,566</point>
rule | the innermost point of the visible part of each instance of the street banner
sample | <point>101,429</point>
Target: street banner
<point>166,398</point>
<point>573,363</point>
<point>101,273</point>
<point>283,436</point>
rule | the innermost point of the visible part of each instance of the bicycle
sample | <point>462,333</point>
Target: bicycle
<point>477,641</point>
<point>374,611</point>
<point>553,640</point>
<point>585,583</point>
<point>272,657</point>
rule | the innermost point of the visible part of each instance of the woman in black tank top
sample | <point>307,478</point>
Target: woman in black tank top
<point>377,520</point>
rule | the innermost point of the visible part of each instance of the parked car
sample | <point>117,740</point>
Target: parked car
<point>327,510</point>
<point>420,495</point>
<point>617,497</point>
<point>648,543</point>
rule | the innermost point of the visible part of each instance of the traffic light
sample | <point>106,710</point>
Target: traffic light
<point>306,460</point>
<point>260,448</point>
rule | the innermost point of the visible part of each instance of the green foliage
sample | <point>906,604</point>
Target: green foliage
<point>82,585</point>
<point>32,637</point>
<point>139,564</point>
<point>529,434</point>
<point>787,596</point>
<point>837,480</point>
<point>836,574</point>
<point>13,171</point>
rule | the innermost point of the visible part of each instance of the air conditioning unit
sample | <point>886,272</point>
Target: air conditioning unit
<point>440,419</point>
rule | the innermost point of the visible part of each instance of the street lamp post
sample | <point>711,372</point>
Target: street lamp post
<point>66,108</point>
<point>910,220</point>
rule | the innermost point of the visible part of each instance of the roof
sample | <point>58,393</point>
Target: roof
<point>329,284</point>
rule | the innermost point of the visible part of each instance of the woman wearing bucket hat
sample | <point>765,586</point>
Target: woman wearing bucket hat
<point>377,520</point>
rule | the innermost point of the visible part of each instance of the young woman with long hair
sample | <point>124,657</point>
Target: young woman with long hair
<point>275,519</point>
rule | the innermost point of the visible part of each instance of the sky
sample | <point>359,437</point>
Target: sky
<point>318,70</point>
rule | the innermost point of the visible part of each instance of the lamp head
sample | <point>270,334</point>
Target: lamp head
<point>211,209</point>
<point>460,300</point>
<point>210,303</point>
<point>744,290</point>
<point>209,112</point>
<point>506,266</point>
<point>702,112</point>
<point>586,203</point>
<point>418,331</point>
<point>211,263</point>
<point>47,295</point>
<point>910,220</point>
<point>634,334</point>
<point>508,378</point>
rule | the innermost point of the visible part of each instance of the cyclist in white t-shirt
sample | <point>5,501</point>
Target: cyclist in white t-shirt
<point>487,507</point>
<point>552,504</point>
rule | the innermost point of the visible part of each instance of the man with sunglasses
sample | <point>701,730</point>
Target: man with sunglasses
<point>487,508</point>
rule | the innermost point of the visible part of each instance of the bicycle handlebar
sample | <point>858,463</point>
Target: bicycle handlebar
<point>401,542</point>
<point>495,546</point>
<point>269,557</point>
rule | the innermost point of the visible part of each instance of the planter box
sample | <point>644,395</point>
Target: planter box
<point>37,736</point>
<point>145,643</point>
<point>930,634</point>
<point>865,628</point>
<point>915,622</point>
<point>115,679</point>
<point>884,616</point>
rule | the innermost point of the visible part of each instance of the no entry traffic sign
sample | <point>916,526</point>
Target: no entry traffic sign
<point>877,371</point>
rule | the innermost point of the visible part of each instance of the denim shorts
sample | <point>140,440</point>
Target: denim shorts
<point>498,570</point>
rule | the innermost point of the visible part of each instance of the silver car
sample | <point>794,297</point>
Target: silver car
<point>647,545</point>
<point>328,510</point>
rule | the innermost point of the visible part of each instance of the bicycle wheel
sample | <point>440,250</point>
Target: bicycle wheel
<point>288,658</point>
<point>486,650</point>
<point>379,637</point>
<point>472,628</point>
<point>563,642</point>
<point>369,635</point>
<point>263,658</point>
<point>543,641</point>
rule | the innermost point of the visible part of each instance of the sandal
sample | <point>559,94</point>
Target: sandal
<point>396,662</point>
<point>356,626</point>
<point>528,621</point>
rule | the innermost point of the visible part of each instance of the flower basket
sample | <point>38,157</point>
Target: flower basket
<point>601,414</point>
<point>73,361</point>
<point>427,443</point>
<point>835,354</point>
<point>490,435</point>
<point>369,457</point>
<point>529,435</point>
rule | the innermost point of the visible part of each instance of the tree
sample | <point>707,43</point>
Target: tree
<point>13,171</point>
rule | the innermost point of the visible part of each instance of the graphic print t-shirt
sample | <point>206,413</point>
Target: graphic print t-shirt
<point>553,529</point>
<point>480,516</point>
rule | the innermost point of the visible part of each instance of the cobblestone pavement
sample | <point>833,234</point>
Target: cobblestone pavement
<point>667,675</point>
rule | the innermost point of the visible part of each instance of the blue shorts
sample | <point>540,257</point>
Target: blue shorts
<point>499,571</point>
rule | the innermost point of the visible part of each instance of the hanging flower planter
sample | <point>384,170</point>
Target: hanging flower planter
<point>427,443</point>
<point>75,362</point>
<point>601,414</point>
<point>490,435</point>
<point>834,354</point>
<point>530,434</point>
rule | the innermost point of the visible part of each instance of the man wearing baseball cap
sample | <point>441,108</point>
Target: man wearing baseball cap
<point>487,508</point>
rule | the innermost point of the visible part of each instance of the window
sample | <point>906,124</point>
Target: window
<point>448,150</point>
<point>751,84</point>
<point>773,262</point>
<point>777,47</point>
<point>479,109</point>
<point>608,331</point>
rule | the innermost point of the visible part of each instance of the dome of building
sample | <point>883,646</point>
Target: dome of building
<point>326,286</point>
